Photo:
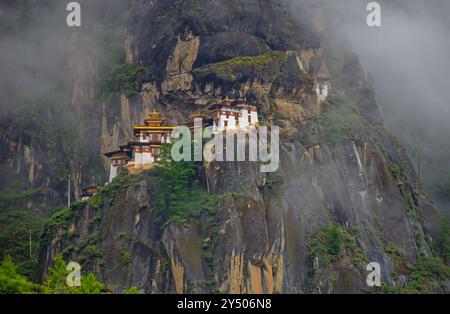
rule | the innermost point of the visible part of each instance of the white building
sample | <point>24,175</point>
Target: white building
<point>322,83</point>
<point>232,115</point>
<point>143,152</point>
<point>322,90</point>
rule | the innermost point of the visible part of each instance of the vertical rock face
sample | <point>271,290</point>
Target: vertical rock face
<point>342,178</point>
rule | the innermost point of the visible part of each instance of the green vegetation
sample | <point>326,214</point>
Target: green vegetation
<point>427,269</point>
<point>208,257</point>
<point>88,254</point>
<point>121,79</point>
<point>333,242</point>
<point>125,256</point>
<point>12,282</point>
<point>443,240</point>
<point>442,187</point>
<point>58,222</point>
<point>124,236</point>
<point>16,227</point>
<point>340,121</point>
<point>230,68</point>
<point>132,290</point>
<point>110,192</point>
<point>392,250</point>
<point>396,170</point>
<point>397,258</point>
<point>58,225</point>
<point>15,194</point>
<point>330,245</point>
<point>56,281</point>
<point>422,275</point>
<point>164,264</point>
<point>107,195</point>
<point>180,194</point>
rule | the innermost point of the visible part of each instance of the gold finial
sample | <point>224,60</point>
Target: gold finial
<point>227,100</point>
<point>197,114</point>
<point>154,114</point>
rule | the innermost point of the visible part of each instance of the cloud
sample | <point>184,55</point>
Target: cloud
<point>408,58</point>
<point>36,48</point>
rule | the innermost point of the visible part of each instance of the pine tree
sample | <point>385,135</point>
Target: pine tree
<point>11,282</point>
<point>56,282</point>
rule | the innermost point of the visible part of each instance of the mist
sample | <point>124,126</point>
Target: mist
<point>41,60</point>
<point>408,58</point>
<point>407,61</point>
<point>37,47</point>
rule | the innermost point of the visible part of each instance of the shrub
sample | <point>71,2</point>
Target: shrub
<point>427,269</point>
<point>15,230</point>
<point>132,290</point>
<point>332,242</point>
<point>443,240</point>
<point>56,281</point>
<point>232,68</point>
<point>121,79</point>
<point>341,120</point>
<point>11,282</point>
<point>58,221</point>
<point>16,195</point>
<point>180,193</point>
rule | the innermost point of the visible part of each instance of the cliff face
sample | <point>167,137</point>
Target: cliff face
<point>345,194</point>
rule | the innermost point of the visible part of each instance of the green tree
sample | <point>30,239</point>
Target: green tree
<point>56,281</point>
<point>122,79</point>
<point>180,193</point>
<point>11,282</point>
<point>132,290</point>
<point>443,240</point>
<point>175,180</point>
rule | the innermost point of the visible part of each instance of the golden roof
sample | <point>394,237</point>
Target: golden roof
<point>227,101</point>
<point>142,127</point>
<point>197,115</point>
<point>155,116</point>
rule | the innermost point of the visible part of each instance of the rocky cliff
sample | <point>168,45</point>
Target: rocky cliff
<point>345,193</point>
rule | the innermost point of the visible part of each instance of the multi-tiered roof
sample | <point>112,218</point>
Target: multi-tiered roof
<point>145,149</point>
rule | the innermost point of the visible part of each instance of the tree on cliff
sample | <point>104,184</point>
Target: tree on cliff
<point>181,194</point>
<point>56,282</point>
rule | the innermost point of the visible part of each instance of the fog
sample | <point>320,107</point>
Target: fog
<point>32,53</point>
<point>36,48</point>
<point>408,60</point>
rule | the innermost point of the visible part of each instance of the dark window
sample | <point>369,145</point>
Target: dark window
<point>321,88</point>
